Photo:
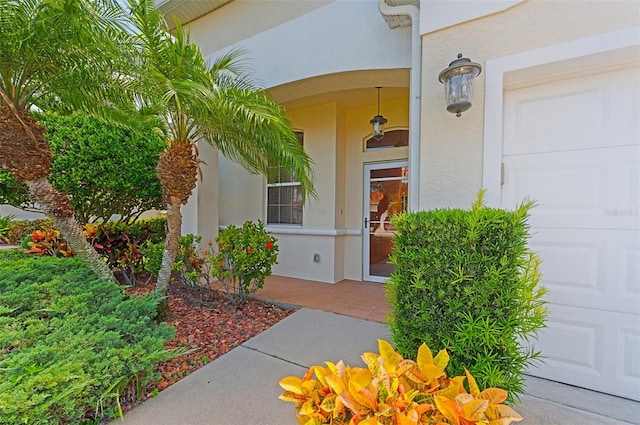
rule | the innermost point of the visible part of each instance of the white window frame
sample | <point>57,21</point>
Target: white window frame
<point>284,184</point>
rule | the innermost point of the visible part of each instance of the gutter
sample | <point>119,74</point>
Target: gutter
<point>399,16</point>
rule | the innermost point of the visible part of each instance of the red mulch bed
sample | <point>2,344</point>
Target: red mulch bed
<point>210,331</point>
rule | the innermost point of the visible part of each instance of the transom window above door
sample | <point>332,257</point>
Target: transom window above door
<point>391,139</point>
<point>284,195</point>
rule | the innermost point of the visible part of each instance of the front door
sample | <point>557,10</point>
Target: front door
<point>385,195</point>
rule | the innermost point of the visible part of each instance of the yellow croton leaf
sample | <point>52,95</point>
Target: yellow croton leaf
<point>500,414</point>
<point>474,410</point>
<point>371,360</point>
<point>290,396</point>
<point>370,421</point>
<point>390,357</point>
<point>292,384</point>
<point>431,373</point>
<point>359,388</point>
<point>411,418</point>
<point>329,403</point>
<point>336,383</point>
<point>320,372</point>
<point>308,408</point>
<point>494,395</point>
<point>449,409</point>
<point>473,386</point>
<point>441,359</point>
<point>424,356</point>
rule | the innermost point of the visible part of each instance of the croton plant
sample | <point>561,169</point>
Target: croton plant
<point>392,390</point>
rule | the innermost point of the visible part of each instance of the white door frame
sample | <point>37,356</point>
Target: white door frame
<point>368,167</point>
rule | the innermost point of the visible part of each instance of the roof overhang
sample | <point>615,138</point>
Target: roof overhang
<point>187,10</point>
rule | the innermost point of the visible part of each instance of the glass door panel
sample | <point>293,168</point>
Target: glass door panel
<point>385,195</point>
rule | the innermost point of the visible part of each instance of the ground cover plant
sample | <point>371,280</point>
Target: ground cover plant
<point>202,332</point>
<point>466,282</point>
<point>69,342</point>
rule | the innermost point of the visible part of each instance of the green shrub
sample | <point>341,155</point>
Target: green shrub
<point>69,343</point>
<point>245,257</point>
<point>466,282</point>
<point>106,170</point>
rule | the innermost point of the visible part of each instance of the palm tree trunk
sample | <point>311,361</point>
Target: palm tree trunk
<point>58,207</point>
<point>172,242</point>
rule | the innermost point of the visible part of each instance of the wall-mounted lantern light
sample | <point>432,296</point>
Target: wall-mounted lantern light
<point>458,83</point>
<point>378,122</point>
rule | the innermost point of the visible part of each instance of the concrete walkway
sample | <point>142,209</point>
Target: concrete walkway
<point>241,387</point>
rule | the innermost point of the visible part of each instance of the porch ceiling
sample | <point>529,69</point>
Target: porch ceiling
<point>349,89</point>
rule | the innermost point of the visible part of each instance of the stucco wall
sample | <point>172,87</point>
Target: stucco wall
<point>341,36</point>
<point>241,19</point>
<point>452,148</point>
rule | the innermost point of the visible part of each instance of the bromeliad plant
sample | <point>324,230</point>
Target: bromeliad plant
<point>245,257</point>
<point>392,390</point>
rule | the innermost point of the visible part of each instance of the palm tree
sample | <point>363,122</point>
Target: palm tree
<point>216,103</point>
<point>62,52</point>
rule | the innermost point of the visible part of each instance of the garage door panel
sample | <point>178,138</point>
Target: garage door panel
<point>579,189</point>
<point>573,147</point>
<point>592,268</point>
<point>628,364</point>
<point>592,111</point>
<point>579,351</point>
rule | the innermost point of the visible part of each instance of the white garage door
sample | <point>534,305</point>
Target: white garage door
<point>573,145</point>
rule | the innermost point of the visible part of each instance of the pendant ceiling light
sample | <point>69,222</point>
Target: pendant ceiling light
<point>378,121</point>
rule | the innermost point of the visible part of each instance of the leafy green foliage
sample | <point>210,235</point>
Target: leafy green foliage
<point>5,227</point>
<point>21,229</point>
<point>66,338</point>
<point>120,244</point>
<point>106,170</point>
<point>466,282</point>
<point>245,257</point>
<point>13,192</point>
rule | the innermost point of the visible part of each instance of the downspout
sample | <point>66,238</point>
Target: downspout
<point>415,84</point>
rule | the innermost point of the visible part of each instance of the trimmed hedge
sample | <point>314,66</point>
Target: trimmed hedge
<point>466,282</point>
<point>70,344</point>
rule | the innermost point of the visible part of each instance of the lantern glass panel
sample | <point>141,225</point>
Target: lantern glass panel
<point>458,90</point>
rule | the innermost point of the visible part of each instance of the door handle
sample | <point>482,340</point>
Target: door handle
<point>366,222</point>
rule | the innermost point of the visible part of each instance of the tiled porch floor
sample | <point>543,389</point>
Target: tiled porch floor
<point>364,300</point>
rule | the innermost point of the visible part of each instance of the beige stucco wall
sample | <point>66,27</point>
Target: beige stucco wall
<point>452,148</point>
